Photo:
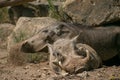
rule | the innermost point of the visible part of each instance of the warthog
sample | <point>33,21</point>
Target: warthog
<point>105,40</point>
<point>68,57</point>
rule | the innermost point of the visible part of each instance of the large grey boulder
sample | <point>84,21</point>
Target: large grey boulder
<point>27,27</point>
<point>36,8</point>
<point>93,12</point>
<point>5,30</point>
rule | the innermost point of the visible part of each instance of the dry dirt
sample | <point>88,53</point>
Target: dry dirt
<point>42,71</point>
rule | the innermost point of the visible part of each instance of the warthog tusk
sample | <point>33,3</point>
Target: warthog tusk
<point>60,63</point>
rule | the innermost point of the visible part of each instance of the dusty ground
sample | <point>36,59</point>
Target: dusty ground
<point>42,71</point>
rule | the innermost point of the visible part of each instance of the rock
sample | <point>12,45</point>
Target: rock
<point>93,12</point>
<point>5,30</point>
<point>6,3</point>
<point>32,9</point>
<point>4,16</point>
<point>27,27</point>
<point>28,10</point>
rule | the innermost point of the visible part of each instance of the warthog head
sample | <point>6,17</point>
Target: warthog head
<point>71,57</point>
<point>49,35</point>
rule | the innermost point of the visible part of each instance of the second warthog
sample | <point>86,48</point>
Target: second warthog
<point>105,40</point>
<point>69,57</point>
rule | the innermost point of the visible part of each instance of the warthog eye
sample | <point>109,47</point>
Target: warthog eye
<point>61,30</point>
<point>59,33</point>
<point>32,41</point>
<point>59,56</point>
<point>60,26</point>
<point>49,40</point>
<point>46,31</point>
<point>56,54</point>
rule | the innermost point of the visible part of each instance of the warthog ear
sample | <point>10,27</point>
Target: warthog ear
<point>82,50</point>
<point>50,48</point>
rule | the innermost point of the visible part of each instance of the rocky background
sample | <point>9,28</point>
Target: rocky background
<point>85,12</point>
<point>20,22</point>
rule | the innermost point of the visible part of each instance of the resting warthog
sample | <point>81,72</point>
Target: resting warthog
<point>49,35</point>
<point>70,57</point>
<point>105,40</point>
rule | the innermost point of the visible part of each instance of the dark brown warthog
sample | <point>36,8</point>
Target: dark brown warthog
<point>69,57</point>
<point>49,35</point>
<point>105,40</point>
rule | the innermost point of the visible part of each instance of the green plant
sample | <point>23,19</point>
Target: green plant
<point>4,16</point>
<point>53,12</point>
<point>37,57</point>
<point>114,78</point>
<point>58,14</point>
<point>20,37</point>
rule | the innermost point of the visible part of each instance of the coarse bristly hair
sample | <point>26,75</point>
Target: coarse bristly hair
<point>105,40</point>
<point>72,57</point>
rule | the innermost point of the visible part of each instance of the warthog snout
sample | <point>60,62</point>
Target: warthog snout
<point>26,47</point>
